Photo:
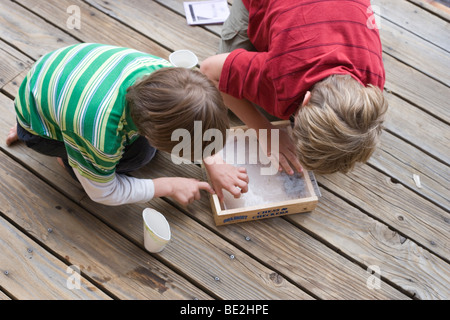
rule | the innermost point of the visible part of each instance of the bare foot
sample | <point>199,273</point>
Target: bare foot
<point>12,136</point>
<point>60,161</point>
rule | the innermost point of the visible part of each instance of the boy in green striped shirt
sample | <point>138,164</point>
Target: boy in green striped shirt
<point>105,110</point>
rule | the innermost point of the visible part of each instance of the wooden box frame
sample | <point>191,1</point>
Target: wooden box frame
<point>275,209</point>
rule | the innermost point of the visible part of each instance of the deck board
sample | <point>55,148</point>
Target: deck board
<point>374,216</point>
<point>404,46</point>
<point>427,94</point>
<point>205,256</point>
<point>164,26</point>
<point>78,238</point>
<point>400,161</point>
<point>31,272</point>
<point>29,33</point>
<point>438,7</point>
<point>420,22</point>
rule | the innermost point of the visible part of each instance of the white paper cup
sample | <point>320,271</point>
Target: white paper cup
<point>183,59</point>
<point>156,230</point>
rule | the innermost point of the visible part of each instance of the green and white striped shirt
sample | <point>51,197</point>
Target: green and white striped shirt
<point>77,95</point>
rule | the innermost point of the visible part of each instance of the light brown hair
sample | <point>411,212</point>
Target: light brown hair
<point>173,98</point>
<point>340,125</point>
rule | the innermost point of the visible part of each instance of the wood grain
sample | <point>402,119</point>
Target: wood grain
<point>122,268</point>
<point>162,26</point>
<point>436,7</point>
<point>28,271</point>
<point>3,296</point>
<point>402,261</point>
<point>417,127</point>
<point>30,33</point>
<point>204,257</point>
<point>418,89</point>
<point>95,26</point>
<point>420,22</point>
<point>394,204</point>
<point>415,51</point>
<point>401,161</point>
<point>13,63</point>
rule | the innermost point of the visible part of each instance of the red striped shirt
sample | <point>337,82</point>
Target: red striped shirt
<point>299,43</point>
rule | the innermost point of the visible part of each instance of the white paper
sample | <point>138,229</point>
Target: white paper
<point>206,12</point>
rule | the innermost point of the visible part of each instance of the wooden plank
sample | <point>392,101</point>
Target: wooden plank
<point>284,247</point>
<point>395,205</point>
<point>119,266</point>
<point>112,31</point>
<point>419,22</point>
<point>28,271</point>
<point>162,26</point>
<point>416,52</point>
<point>204,241</point>
<point>419,128</point>
<point>400,260</point>
<point>425,286</point>
<point>12,87</point>
<point>13,63</point>
<point>401,161</point>
<point>201,254</point>
<point>30,34</point>
<point>435,7</point>
<point>411,85</point>
<point>92,20</point>
<point>3,296</point>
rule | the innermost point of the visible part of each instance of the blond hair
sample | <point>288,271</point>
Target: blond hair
<point>173,98</point>
<point>340,125</point>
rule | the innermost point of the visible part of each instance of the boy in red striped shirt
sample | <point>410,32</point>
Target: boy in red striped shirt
<point>316,62</point>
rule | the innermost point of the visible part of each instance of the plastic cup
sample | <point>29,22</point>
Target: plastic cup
<point>156,230</point>
<point>183,59</point>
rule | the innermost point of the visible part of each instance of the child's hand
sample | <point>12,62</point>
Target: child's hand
<point>225,176</point>
<point>183,190</point>
<point>285,159</point>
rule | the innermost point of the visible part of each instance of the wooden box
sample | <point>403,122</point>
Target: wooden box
<point>305,203</point>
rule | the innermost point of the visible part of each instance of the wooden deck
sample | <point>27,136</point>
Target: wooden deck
<point>374,218</point>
